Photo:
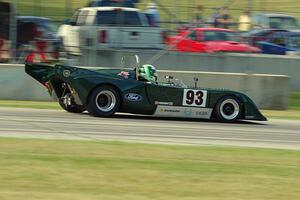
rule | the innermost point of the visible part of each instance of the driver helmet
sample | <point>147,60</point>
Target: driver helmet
<point>148,73</point>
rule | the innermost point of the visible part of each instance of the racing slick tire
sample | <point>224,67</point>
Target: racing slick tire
<point>67,102</point>
<point>228,109</point>
<point>104,101</point>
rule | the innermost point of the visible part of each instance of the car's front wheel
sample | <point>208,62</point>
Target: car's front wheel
<point>228,109</point>
<point>104,101</point>
<point>67,102</point>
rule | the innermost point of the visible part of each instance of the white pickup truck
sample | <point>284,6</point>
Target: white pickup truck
<point>98,28</point>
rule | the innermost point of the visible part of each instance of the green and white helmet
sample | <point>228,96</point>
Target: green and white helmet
<point>148,72</point>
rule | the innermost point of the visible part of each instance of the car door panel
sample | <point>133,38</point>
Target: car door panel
<point>164,94</point>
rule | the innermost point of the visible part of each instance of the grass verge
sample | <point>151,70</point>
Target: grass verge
<point>292,113</point>
<point>285,114</point>
<point>295,101</point>
<point>45,169</point>
<point>29,104</point>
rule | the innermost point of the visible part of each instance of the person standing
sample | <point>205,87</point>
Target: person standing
<point>211,21</point>
<point>198,17</point>
<point>223,20</point>
<point>153,14</point>
<point>245,22</point>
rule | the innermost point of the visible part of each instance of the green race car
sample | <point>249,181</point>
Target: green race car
<point>102,92</point>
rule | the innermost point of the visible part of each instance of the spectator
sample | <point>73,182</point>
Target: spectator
<point>223,20</point>
<point>198,20</point>
<point>245,22</point>
<point>153,14</point>
<point>212,18</point>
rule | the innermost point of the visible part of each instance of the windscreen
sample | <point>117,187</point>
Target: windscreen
<point>118,17</point>
<point>294,42</point>
<point>109,3</point>
<point>221,36</point>
<point>48,26</point>
<point>284,22</point>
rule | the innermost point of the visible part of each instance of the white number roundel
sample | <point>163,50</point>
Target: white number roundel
<point>195,98</point>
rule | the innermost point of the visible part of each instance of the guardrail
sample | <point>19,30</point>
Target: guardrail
<point>15,84</point>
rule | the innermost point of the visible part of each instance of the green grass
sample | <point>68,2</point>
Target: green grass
<point>58,10</point>
<point>29,104</point>
<point>295,101</point>
<point>73,170</point>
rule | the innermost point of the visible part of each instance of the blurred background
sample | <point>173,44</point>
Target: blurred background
<point>174,16</point>
<point>59,10</point>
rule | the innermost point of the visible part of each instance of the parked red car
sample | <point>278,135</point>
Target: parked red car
<point>209,40</point>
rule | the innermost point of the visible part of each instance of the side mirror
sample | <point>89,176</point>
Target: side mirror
<point>169,78</point>
<point>196,82</point>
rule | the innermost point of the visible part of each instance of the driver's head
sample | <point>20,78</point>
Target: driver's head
<point>148,73</point>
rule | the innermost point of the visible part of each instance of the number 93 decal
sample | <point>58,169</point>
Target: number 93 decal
<point>194,98</point>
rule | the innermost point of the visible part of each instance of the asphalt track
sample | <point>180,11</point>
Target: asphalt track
<point>58,124</point>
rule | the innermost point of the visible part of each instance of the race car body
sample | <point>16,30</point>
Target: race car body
<point>102,92</point>
<point>209,40</point>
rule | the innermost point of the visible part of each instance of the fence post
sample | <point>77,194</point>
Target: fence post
<point>250,5</point>
<point>13,29</point>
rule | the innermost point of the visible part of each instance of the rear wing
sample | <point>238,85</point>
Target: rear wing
<point>40,72</point>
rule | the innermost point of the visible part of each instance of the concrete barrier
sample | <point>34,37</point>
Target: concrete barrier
<point>15,84</point>
<point>219,62</point>
<point>268,91</point>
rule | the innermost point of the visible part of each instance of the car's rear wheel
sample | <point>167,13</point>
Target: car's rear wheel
<point>104,101</point>
<point>67,102</point>
<point>228,109</point>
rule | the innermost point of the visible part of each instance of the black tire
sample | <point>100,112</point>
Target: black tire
<point>67,102</point>
<point>104,101</point>
<point>228,109</point>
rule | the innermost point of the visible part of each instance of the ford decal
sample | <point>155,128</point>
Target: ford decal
<point>133,97</point>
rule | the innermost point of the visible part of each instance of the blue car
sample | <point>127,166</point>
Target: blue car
<point>281,43</point>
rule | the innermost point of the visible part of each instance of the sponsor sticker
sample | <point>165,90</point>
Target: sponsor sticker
<point>188,112</point>
<point>183,111</point>
<point>66,73</point>
<point>133,97</point>
<point>166,110</point>
<point>164,103</point>
<point>124,74</point>
<point>202,113</point>
<point>249,117</point>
